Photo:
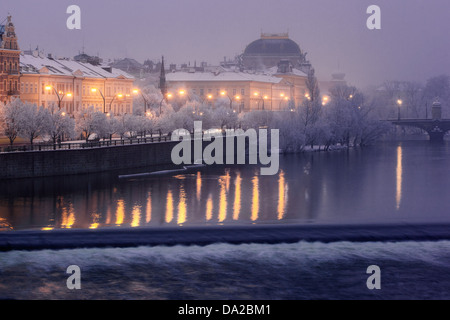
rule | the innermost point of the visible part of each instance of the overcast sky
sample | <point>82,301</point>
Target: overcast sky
<point>413,44</point>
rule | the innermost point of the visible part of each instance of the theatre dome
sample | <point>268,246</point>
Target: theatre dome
<point>273,46</point>
<point>268,51</point>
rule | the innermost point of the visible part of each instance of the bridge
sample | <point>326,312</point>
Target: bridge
<point>435,127</point>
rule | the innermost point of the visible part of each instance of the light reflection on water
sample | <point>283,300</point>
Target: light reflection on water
<point>386,183</point>
<point>398,194</point>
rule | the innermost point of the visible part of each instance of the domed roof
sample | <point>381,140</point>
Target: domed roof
<point>273,45</point>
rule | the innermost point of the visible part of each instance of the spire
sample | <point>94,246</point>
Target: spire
<point>162,79</point>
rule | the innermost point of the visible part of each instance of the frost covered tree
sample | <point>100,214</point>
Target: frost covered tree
<point>10,115</point>
<point>89,122</point>
<point>256,119</point>
<point>292,137</point>
<point>33,122</point>
<point>59,124</point>
<point>223,118</point>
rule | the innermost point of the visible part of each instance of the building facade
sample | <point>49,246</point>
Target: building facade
<point>9,62</point>
<point>73,86</point>
<point>243,91</point>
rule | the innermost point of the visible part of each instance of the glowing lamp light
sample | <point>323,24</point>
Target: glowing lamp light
<point>120,95</point>
<point>94,90</point>
<point>48,88</point>
<point>135,91</point>
<point>399,102</point>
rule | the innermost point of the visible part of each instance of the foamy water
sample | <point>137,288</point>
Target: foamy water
<point>409,270</point>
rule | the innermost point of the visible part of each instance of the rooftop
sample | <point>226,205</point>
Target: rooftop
<point>222,76</point>
<point>38,64</point>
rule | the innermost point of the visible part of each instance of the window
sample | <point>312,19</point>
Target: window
<point>243,92</point>
<point>202,92</point>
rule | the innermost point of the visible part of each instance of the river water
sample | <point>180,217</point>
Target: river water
<point>393,182</point>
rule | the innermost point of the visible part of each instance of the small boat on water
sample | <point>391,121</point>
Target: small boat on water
<point>163,172</point>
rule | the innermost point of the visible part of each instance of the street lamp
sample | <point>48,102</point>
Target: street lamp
<point>118,96</point>
<point>59,94</point>
<point>263,98</point>
<point>137,91</point>
<point>399,104</point>
<point>237,98</point>
<point>283,98</point>
<point>168,96</point>
<point>95,90</point>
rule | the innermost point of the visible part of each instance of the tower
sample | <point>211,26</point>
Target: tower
<point>9,62</point>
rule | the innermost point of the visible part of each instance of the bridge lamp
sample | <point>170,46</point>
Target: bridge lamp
<point>399,103</point>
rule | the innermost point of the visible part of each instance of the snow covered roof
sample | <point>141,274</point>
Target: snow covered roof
<point>222,76</point>
<point>296,72</point>
<point>36,64</point>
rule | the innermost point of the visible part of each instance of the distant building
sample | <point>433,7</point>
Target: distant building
<point>69,84</point>
<point>245,91</point>
<point>337,79</point>
<point>9,62</point>
<point>130,66</point>
<point>85,58</point>
<point>268,51</point>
